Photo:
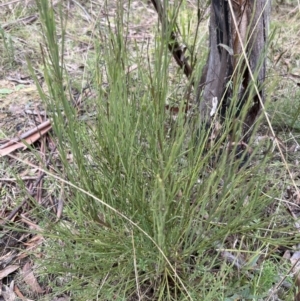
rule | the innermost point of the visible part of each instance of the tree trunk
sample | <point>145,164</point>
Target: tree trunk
<point>227,77</point>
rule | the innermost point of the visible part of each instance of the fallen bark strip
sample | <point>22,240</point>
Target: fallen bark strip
<point>30,137</point>
<point>27,134</point>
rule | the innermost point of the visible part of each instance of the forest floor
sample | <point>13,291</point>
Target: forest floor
<point>21,110</point>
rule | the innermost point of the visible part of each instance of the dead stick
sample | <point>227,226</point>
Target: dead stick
<point>173,44</point>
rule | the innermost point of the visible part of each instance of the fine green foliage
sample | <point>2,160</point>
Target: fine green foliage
<point>153,210</point>
<point>8,45</point>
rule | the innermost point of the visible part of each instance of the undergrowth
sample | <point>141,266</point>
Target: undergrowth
<point>153,210</point>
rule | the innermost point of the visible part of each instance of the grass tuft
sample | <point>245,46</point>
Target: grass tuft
<point>153,208</point>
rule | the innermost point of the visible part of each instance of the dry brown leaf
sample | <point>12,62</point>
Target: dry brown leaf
<point>18,293</point>
<point>30,223</point>
<point>60,206</point>
<point>7,258</point>
<point>287,255</point>
<point>32,244</point>
<point>35,240</point>
<point>30,279</point>
<point>8,270</point>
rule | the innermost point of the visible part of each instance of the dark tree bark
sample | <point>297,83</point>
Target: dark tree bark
<point>226,73</point>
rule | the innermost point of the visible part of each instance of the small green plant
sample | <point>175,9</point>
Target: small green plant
<point>267,278</point>
<point>8,45</point>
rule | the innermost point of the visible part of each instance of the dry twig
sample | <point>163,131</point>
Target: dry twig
<point>177,50</point>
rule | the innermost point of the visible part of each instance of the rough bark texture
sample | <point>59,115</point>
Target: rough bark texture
<point>225,63</point>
